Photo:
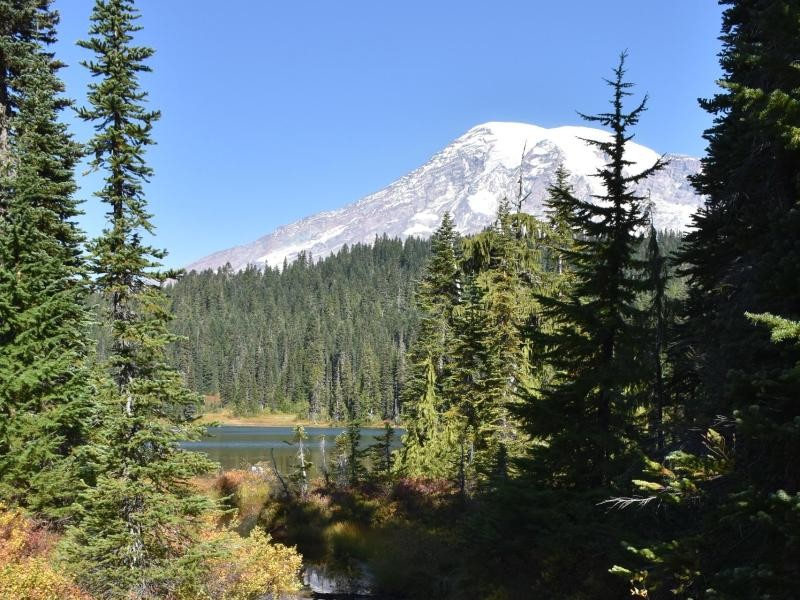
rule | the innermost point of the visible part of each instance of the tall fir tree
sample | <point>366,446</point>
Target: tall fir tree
<point>492,357</point>
<point>741,257</point>
<point>437,294</point>
<point>584,421</point>
<point>44,394</point>
<point>658,317</point>
<point>559,238</point>
<point>427,445</point>
<point>138,536</point>
<point>742,253</point>
<point>25,25</point>
<point>430,358</point>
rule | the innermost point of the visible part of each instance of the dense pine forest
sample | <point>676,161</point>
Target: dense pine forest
<point>591,409</point>
<point>326,339</point>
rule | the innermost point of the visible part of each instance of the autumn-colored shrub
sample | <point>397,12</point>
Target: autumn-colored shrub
<point>348,540</point>
<point>25,572</point>
<point>244,491</point>
<point>253,567</point>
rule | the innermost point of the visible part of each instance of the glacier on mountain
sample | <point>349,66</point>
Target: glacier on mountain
<point>468,178</point>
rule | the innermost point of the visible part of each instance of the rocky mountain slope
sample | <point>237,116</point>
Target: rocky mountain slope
<point>468,178</point>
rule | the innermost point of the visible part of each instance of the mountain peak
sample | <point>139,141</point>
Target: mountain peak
<point>468,178</point>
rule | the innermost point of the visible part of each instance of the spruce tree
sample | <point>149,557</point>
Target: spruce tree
<point>381,453</point>
<point>430,359</point>
<point>657,321</point>
<point>559,238</point>
<point>503,268</point>
<point>139,530</point>
<point>44,395</point>
<point>427,446</point>
<point>584,420</point>
<point>437,294</point>
<point>25,26</point>
<point>742,258</point>
<point>742,252</point>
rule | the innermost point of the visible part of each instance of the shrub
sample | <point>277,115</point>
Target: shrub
<point>25,573</point>
<point>253,567</point>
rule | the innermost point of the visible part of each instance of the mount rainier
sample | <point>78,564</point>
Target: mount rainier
<point>468,178</point>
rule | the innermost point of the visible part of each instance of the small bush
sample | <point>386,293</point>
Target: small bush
<point>347,541</point>
<point>25,573</point>
<point>253,567</point>
<point>245,492</point>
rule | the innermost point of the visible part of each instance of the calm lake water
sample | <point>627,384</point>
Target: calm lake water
<point>239,446</point>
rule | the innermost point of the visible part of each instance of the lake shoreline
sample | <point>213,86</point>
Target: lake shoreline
<point>243,445</point>
<point>227,418</point>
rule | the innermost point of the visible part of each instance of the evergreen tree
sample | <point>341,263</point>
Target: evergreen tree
<point>44,395</point>
<point>742,253</point>
<point>320,341</point>
<point>437,294</point>
<point>427,449</point>
<point>503,268</point>
<point>381,452</point>
<point>584,421</point>
<point>427,446</point>
<point>355,454</point>
<point>559,239</point>
<point>139,530</point>
<point>656,266</point>
<point>25,27</point>
<point>742,258</point>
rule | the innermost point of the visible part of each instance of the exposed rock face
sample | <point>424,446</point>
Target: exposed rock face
<point>469,178</point>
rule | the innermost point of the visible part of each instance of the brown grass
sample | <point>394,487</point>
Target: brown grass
<point>223,416</point>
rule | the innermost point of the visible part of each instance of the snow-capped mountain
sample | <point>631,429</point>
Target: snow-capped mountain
<point>469,178</point>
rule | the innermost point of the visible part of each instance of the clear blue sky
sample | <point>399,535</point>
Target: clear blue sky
<point>274,110</point>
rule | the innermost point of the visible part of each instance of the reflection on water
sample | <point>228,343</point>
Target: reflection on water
<point>239,446</point>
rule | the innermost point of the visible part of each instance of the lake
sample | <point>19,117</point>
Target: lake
<point>239,446</point>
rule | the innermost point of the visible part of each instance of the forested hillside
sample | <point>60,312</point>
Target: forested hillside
<point>326,339</point>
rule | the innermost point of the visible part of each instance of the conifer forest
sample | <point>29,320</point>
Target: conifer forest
<point>570,405</point>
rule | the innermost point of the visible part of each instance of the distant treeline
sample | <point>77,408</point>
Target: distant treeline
<point>325,338</point>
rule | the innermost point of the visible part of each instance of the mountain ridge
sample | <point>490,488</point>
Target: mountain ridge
<point>468,178</point>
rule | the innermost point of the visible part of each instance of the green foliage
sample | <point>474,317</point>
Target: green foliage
<point>44,393</point>
<point>26,27</point>
<point>590,365</point>
<point>381,454</point>
<point>326,339</point>
<point>719,506</point>
<point>742,255</point>
<point>732,539</point>
<point>501,266</point>
<point>139,531</point>
<point>584,419</point>
<point>463,425</point>
<point>426,445</point>
<point>354,453</point>
<point>436,296</point>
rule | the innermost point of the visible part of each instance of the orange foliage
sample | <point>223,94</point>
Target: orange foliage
<point>25,572</point>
